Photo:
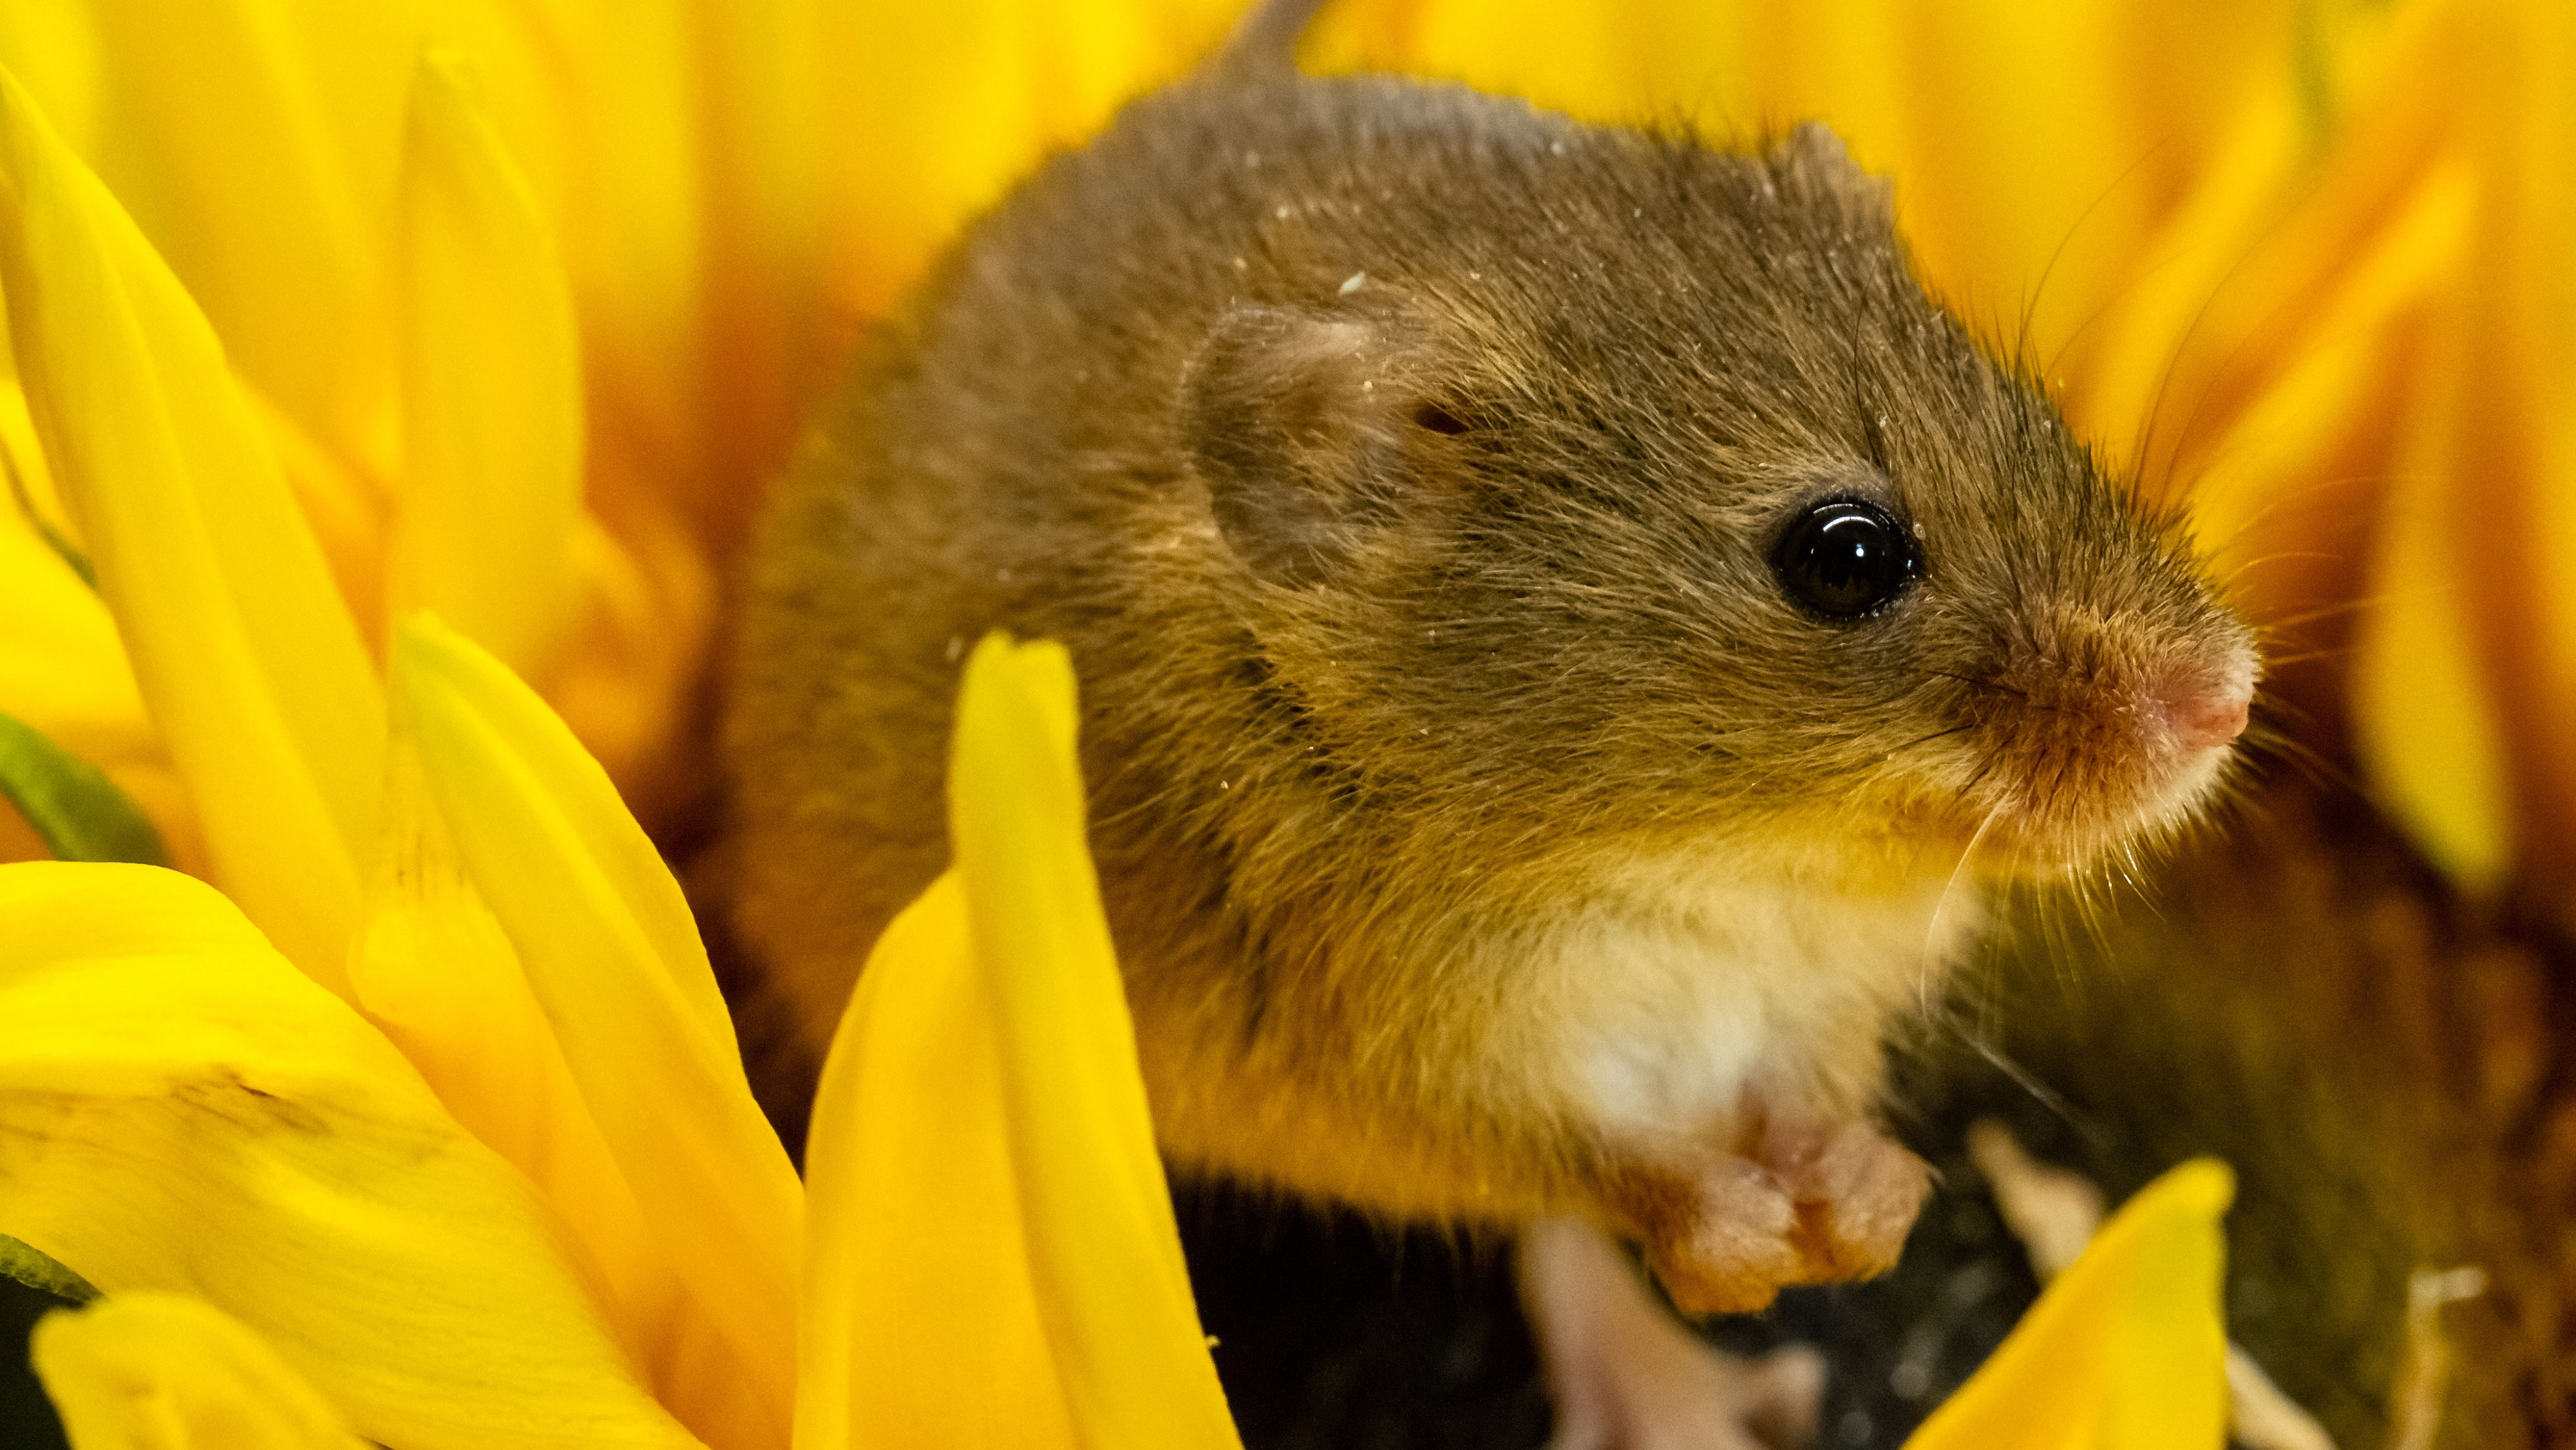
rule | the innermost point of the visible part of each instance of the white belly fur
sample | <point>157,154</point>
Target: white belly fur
<point>1659,1008</point>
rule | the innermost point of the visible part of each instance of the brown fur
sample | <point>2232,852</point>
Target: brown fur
<point>1428,633</point>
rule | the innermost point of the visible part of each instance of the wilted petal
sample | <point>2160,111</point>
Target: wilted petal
<point>920,1322</point>
<point>2126,1350</point>
<point>252,668</point>
<point>1103,1247</point>
<point>147,1371</point>
<point>21,1263</point>
<point>181,1110</point>
<point>610,949</point>
<point>492,413</point>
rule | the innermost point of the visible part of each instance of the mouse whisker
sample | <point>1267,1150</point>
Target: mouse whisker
<point>2335,610</point>
<point>2021,349</point>
<point>2263,738</point>
<point>1930,972</point>
<point>2229,577</point>
<point>2274,662</point>
<point>2302,494</point>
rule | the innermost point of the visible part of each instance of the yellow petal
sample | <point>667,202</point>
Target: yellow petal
<point>492,415</point>
<point>767,71</point>
<point>920,1322</point>
<point>181,1110</point>
<point>52,46</point>
<point>250,665</point>
<point>437,974</point>
<point>2016,162</point>
<point>613,956</point>
<point>256,141</point>
<point>350,508</point>
<point>2273,244</point>
<point>2027,140</point>
<point>147,1371</point>
<point>1103,1247</point>
<point>1572,59</point>
<point>2425,724</point>
<point>62,667</point>
<point>633,225</point>
<point>940,111</point>
<point>638,653</point>
<point>2507,450</point>
<point>2126,1350</point>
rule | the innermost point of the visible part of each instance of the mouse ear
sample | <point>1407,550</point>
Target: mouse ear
<point>1301,426</point>
<point>1814,160</point>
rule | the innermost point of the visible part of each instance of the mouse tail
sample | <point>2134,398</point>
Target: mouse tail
<point>1264,42</point>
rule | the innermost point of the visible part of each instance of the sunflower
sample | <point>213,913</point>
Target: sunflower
<point>490,1173</point>
<point>323,315</point>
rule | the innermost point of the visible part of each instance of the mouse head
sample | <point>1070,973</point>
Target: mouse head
<point>1627,493</point>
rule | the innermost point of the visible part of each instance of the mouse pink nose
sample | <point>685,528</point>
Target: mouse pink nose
<point>2202,714</point>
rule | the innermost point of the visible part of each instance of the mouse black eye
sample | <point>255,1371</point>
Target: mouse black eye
<point>1845,558</point>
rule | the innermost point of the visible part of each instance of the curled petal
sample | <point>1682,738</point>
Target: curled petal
<point>252,668</point>
<point>1103,1246</point>
<point>609,948</point>
<point>150,1371</point>
<point>2126,1350</point>
<point>181,1110</point>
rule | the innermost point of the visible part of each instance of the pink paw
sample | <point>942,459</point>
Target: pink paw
<point>1628,1376</point>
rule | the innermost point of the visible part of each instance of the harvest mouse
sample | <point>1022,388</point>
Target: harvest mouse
<point>1555,606</point>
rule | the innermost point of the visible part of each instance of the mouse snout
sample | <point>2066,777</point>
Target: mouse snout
<point>2199,712</point>
<point>2093,724</point>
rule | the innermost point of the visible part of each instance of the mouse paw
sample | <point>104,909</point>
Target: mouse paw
<point>1724,1240</point>
<point>1810,1203</point>
<point>1857,1195</point>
